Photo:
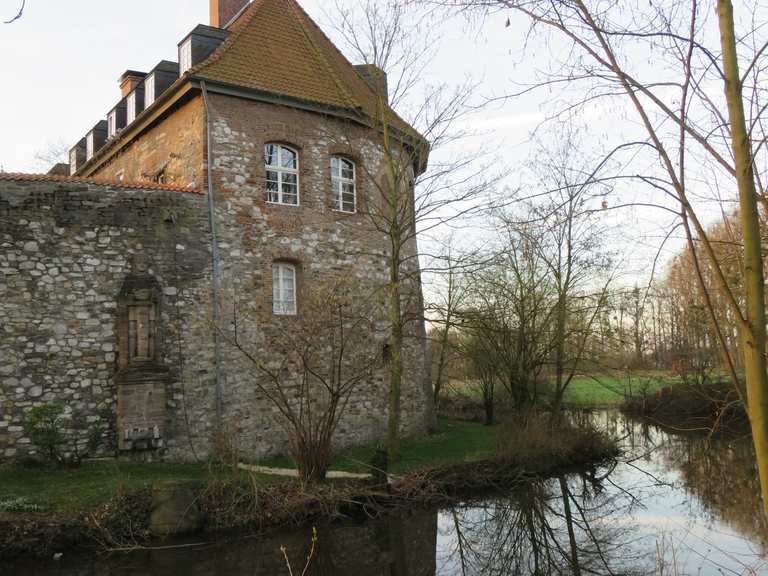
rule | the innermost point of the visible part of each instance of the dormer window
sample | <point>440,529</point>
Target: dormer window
<point>112,124</point>
<point>185,56</point>
<point>131,107</point>
<point>282,167</point>
<point>90,146</point>
<point>149,90</point>
<point>343,189</point>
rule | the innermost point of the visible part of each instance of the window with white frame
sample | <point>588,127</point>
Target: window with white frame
<point>343,189</point>
<point>131,103</point>
<point>112,123</point>
<point>185,56</point>
<point>149,90</point>
<point>284,289</point>
<point>89,146</point>
<point>72,162</point>
<point>282,166</point>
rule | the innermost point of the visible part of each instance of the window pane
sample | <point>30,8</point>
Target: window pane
<point>335,197</point>
<point>347,169</point>
<point>149,91</point>
<point>287,158</point>
<point>334,167</point>
<point>270,155</point>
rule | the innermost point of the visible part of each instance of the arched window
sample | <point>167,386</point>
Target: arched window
<point>284,289</point>
<point>343,189</point>
<point>282,165</point>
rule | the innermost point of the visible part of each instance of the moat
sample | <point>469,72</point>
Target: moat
<point>673,504</point>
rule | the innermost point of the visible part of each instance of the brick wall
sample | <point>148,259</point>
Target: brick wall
<point>172,150</point>
<point>323,243</point>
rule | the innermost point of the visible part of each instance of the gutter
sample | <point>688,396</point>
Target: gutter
<point>216,261</point>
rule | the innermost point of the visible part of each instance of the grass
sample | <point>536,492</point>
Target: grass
<point>598,391</point>
<point>95,483</point>
<point>456,441</point>
<point>613,391</point>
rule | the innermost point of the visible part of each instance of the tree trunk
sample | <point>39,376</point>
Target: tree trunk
<point>395,368</point>
<point>754,330</point>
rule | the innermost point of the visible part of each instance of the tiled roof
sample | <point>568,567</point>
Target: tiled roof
<point>17,177</point>
<point>276,47</point>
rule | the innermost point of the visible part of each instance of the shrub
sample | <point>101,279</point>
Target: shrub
<point>536,437</point>
<point>43,425</point>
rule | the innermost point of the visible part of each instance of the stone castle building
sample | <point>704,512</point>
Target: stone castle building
<point>239,178</point>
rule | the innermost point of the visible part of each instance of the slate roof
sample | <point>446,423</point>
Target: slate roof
<point>274,46</point>
<point>19,177</point>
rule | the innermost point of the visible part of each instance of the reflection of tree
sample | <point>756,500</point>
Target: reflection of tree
<point>722,474</point>
<point>558,526</point>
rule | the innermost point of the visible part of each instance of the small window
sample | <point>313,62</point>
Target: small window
<point>72,162</point>
<point>149,90</point>
<point>89,146</point>
<point>284,289</point>
<point>112,123</point>
<point>282,164</point>
<point>343,190</point>
<point>131,102</point>
<point>141,333</point>
<point>185,56</point>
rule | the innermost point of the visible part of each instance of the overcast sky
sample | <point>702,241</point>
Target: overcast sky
<point>62,60</point>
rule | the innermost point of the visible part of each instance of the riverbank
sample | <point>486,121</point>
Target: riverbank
<point>110,505</point>
<point>712,408</point>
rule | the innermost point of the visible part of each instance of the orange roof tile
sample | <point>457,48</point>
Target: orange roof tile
<point>18,177</point>
<point>274,46</point>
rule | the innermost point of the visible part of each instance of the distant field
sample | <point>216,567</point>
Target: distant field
<point>603,390</point>
<point>610,390</point>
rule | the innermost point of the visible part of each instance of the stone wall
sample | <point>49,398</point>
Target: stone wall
<point>322,243</point>
<point>66,252</point>
<point>74,259</point>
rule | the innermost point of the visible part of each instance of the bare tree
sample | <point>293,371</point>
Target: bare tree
<point>311,371</point>
<point>696,52</point>
<point>19,14</point>
<point>411,196</point>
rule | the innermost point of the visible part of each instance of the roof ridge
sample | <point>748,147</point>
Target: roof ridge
<point>303,17</point>
<point>242,24</point>
<point>24,177</point>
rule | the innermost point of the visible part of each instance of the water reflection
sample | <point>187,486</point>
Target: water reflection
<point>673,505</point>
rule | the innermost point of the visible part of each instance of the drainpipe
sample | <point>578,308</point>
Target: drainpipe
<point>216,280</point>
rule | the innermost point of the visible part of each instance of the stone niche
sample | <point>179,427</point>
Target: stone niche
<point>142,378</point>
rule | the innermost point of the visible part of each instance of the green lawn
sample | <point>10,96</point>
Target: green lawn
<point>456,441</point>
<point>94,483</point>
<point>611,391</point>
<point>598,391</point>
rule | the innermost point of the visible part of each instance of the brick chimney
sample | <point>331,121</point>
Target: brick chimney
<point>223,11</point>
<point>129,80</point>
<point>376,78</point>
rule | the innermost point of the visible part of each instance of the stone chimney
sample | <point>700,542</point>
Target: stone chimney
<point>376,78</point>
<point>129,80</point>
<point>223,11</point>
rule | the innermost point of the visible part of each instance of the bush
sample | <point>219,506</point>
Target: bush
<point>536,436</point>
<point>45,427</point>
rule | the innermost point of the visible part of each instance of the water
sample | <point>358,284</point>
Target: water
<point>673,505</point>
